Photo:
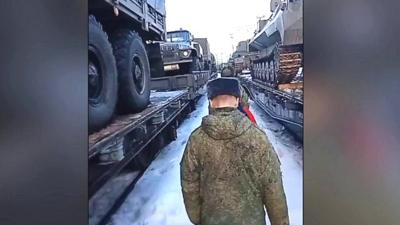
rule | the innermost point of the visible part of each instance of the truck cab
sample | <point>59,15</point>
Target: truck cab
<point>179,53</point>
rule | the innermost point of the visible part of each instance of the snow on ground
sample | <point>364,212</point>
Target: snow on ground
<point>103,200</point>
<point>157,197</point>
<point>290,154</point>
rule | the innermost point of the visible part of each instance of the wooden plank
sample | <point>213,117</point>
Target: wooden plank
<point>291,86</point>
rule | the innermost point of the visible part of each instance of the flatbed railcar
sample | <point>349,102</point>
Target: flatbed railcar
<point>132,141</point>
<point>284,107</point>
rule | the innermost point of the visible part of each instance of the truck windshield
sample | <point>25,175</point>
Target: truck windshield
<point>178,36</point>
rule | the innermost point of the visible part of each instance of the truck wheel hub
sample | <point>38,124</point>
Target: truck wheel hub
<point>138,75</point>
<point>95,81</point>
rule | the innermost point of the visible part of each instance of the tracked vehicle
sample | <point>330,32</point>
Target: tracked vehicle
<point>280,44</point>
<point>276,82</point>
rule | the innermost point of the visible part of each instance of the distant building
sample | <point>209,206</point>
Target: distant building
<point>243,46</point>
<point>242,49</point>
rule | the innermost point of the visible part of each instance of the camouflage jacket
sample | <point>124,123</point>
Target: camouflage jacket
<point>229,172</point>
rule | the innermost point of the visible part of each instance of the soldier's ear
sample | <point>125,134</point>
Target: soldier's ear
<point>210,102</point>
<point>237,102</point>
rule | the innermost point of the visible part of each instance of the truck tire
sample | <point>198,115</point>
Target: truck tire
<point>133,71</point>
<point>102,80</point>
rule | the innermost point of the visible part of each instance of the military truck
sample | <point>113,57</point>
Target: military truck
<point>122,54</point>
<point>213,63</point>
<point>276,82</point>
<point>241,63</point>
<point>180,54</point>
<point>200,54</point>
<point>238,65</point>
<point>207,56</point>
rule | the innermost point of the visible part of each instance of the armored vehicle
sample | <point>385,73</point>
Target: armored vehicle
<point>180,54</point>
<point>280,43</point>
<point>276,82</point>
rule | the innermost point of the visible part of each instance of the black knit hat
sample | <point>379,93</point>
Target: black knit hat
<point>223,86</point>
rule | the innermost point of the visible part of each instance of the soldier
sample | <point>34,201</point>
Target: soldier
<point>244,99</point>
<point>229,170</point>
<point>243,106</point>
<point>227,71</point>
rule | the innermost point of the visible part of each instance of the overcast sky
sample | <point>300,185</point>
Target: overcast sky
<point>217,20</point>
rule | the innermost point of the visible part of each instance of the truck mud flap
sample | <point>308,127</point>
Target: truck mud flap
<point>155,59</point>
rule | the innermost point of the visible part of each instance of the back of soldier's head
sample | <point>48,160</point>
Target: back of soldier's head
<point>223,92</point>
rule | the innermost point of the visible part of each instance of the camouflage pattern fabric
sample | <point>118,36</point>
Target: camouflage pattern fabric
<point>229,172</point>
